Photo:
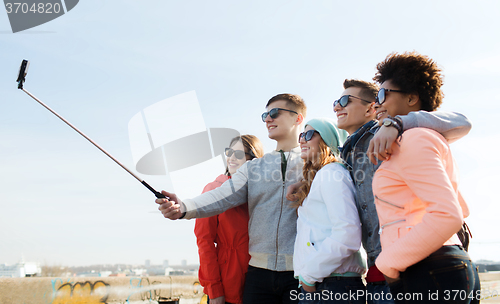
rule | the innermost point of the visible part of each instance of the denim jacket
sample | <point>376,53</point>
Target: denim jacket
<point>362,171</point>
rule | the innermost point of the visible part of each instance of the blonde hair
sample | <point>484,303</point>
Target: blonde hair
<point>311,167</point>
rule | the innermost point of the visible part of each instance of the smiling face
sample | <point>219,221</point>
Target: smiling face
<point>233,164</point>
<point>310,149</point>
<point>395,103</point>
<point>356,113</point>
<point>283,126</point>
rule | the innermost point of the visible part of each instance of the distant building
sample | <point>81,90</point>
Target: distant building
<point>20,270</point>
<point>487,266</point>
<point>92,273</point>
<point>139,271</point>
<point>105,273</point>
<point>147,264</point>
<point>165,263</point>
<point>183,263</point>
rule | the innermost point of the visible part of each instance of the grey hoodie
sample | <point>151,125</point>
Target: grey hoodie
<point>273,223</point>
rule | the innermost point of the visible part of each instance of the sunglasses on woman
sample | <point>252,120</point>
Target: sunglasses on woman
<point>380,99</point>
<point>239,154</point>
<point>274,113</point>
<point>308,135</point>
<point>344,101</point>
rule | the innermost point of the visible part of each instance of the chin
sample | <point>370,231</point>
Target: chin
<point>274,134</point>
<point>305,156</point>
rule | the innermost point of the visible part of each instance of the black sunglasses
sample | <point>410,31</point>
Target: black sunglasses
<point>308,135</point>
<point>344,101</point>
<point>239,154</point>
<point>381,95</point>
<point>274,113</point>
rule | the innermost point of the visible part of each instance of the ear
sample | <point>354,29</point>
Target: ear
<point>413,99</point>
<point>300,119</point>
<point>370,110</point>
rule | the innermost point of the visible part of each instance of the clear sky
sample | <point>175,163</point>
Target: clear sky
<point>64,202</point>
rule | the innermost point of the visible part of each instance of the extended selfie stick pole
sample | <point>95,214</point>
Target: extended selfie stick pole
<point>21,79</point>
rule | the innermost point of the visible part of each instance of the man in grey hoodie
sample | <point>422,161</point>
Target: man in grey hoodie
<point>262,183</point>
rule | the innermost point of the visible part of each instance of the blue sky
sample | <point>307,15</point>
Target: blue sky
<point>64,202</point>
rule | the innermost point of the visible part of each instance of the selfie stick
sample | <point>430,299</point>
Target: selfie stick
<point>21,79</point>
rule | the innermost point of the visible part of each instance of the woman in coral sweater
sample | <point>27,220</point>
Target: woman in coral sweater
<point>223,239</point>
<point>416,193</point>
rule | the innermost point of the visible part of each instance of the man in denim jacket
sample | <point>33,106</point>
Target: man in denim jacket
<point>356,115</point>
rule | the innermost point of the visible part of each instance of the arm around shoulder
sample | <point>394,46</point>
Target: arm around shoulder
<point>451,125</point>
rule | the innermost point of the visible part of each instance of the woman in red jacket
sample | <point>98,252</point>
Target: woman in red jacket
<point>223,239</point>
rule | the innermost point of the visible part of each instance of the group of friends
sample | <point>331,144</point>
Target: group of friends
<point>287,226</point>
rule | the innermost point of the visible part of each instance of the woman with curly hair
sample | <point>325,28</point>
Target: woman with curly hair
<point>223,239</point>
<point>419,206</point>
<point>326,254</point>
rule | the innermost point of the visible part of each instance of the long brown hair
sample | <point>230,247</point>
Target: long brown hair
<point>252,145</point>
<point>311,167</point>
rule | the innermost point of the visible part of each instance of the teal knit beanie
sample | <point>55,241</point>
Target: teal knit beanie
<point>331,135</point>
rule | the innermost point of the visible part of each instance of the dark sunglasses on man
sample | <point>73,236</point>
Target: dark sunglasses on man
<point>274,113</point>
<point>239,154</point>
<point>344,101</point>
<point>380,99</point>
<point>308,135</point>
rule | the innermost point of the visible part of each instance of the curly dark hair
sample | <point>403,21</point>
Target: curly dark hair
<point>412,72</point>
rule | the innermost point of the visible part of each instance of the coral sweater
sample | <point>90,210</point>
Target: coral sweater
<point>223,249</point>
<point>418,203</point>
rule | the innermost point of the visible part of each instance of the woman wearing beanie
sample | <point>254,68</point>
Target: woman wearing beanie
<point>326,258</point>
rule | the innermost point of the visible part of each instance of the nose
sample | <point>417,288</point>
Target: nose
<point>232,157</point>
<point>376,105</point>
<point>337,107</point>
<point>302,140</point>
<point>268,118</point>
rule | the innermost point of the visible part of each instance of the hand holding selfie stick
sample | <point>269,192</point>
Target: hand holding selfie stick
<point>21,79</point>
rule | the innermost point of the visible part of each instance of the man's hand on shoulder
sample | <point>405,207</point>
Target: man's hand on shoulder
<point>170,207</point>
<point>381,144</point>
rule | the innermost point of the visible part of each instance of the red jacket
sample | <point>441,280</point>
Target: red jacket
<point>223,267</point>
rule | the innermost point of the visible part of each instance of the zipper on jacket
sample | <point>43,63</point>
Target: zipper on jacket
<point>388,224</point>
<point>389,203</point>
<point>284,162</point>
